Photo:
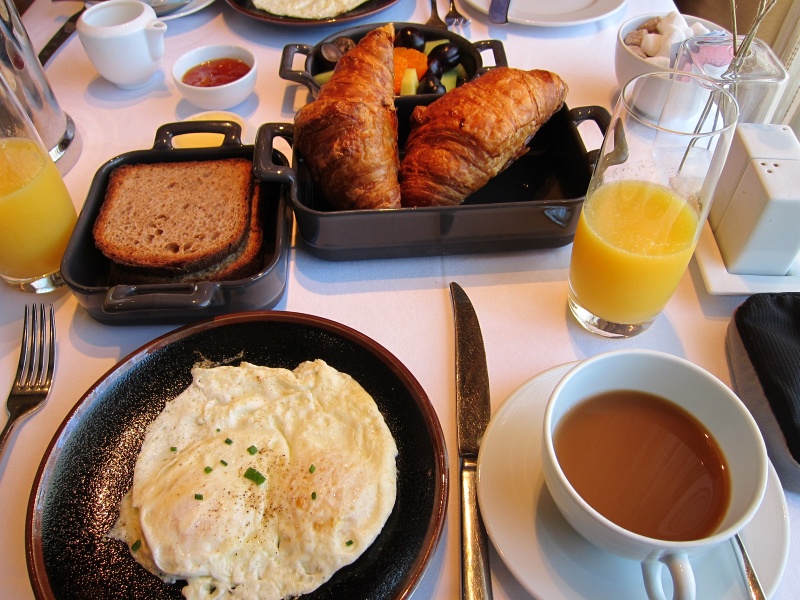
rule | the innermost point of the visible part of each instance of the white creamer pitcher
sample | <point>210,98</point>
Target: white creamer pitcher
<point>124,41</point>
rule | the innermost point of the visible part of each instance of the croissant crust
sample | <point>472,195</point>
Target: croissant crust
<point>473,132</point>
<point>348,135</point>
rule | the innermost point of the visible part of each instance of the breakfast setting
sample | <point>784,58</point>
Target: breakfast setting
<point>400,299</point>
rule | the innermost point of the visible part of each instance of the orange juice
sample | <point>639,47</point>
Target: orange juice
<point>632,244</point>
<point>36,212</point>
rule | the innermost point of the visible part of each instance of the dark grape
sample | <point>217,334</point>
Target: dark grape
<point>410,37</point>
<point>447,55</point>
<point>434,68</point>
<point>430,85</point>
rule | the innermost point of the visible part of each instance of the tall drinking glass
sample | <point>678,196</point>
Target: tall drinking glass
<point>36,213</point>
<point>648,199</point>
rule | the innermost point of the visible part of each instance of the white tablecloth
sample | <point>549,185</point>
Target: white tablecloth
<point>404,304</point>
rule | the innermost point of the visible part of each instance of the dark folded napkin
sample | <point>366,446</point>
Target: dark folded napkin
<point>763,346</point>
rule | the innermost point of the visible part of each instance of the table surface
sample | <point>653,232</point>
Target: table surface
<point>403,304</point>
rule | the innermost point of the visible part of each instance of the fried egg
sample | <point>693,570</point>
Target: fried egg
<point>307,9</point>
<point>258,482</point>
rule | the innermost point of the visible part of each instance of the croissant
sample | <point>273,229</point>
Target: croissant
<point>473,132</point>
<point>348,135</point>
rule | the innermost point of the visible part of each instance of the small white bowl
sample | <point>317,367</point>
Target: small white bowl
<point>627,64</point>
<point>222,96</point>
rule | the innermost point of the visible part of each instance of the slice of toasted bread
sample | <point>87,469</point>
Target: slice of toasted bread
<point>172,218</point>
<point>245,261</point>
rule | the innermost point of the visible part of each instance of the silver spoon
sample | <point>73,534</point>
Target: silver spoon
<point>750,578</point>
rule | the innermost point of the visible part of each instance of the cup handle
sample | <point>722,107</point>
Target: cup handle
<point>680,570</point>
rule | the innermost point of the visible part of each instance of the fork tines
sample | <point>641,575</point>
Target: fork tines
<point>38,345</point>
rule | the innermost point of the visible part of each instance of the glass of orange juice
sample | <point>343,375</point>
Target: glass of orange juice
<point>647,200</point>
<point>36,212</point>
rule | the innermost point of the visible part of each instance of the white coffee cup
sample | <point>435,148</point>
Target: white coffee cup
<point>706,398</point>
<point>124,40</point>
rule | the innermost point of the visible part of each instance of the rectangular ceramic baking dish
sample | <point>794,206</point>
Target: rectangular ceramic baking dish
<point>534,203</point>
<point>87,272</point>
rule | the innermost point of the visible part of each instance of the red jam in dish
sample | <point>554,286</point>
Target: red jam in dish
<point>216,72</point>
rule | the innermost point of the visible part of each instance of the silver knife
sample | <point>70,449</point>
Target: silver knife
<point>473,410</point>
<point>61,36</point>
<point>498,11</point>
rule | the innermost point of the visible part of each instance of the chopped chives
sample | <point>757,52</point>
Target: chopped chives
<point>223,463</point>
<point>198,496</point>
<point>136,545</point>
<point>348,543</point>
<point>312,468</point>
<point>173,448</point>
<point>254,476</point>
<point>228,441</point>
<point>208,469</point>
<point>252,449</point>
<point>313,495</point>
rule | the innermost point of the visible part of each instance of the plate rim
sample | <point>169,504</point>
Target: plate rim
<point>37,573</point>
<point>189,9</point>
<point>351,15</point>
<point>610,7</point>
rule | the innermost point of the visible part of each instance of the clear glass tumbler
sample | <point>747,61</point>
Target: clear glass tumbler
<point>756,80</point>
<point>647,200</point>
<point>36,212</point>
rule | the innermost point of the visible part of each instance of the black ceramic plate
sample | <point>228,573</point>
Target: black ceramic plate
<point>89,463</point>
<point>369,7</point>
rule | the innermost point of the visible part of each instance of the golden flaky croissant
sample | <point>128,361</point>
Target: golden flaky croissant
<point>348,135</point>
<point>473,132</point>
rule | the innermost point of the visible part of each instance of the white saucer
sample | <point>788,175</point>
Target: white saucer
<point>189,9</point>
<point>546,13</point>
<point>720,282</point>
<point>551,560</point>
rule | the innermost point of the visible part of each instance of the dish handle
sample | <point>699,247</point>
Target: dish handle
<point>231,131</point>
<point>498,51</point>
<point>600,116</point>
<point>264,165</point>
<point>302,77</point>
<point>184,296</point>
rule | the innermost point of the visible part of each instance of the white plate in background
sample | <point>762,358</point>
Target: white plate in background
<point>554,13</point>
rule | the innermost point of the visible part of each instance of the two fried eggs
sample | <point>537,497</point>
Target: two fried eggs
<point>307,9</point>
<point>258,482</point>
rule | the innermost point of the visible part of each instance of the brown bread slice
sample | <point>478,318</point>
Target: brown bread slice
<point>171,218</point>
<point>245,261</point>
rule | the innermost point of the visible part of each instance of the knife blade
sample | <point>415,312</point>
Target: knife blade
<point>61,36</point>
<point>498,11</point>
<point>473,410</point>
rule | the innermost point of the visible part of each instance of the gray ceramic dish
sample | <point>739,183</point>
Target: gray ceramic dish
<point>470,53</point>
<point>87,272</point>
<point>89,463</point>
<point>535,203</point>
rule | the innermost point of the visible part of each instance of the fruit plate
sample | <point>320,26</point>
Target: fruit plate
<point>534,203</point>
<point>471,57</point>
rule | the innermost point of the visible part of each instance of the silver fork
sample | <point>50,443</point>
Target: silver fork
<point>453,17</point>
<point>435,20</point>
<point>34,377</point>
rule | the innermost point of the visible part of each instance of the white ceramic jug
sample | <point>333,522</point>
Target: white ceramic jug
<point>124,41</point>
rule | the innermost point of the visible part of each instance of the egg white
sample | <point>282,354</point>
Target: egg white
<point>328,462</point>
<point>307,9</point>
